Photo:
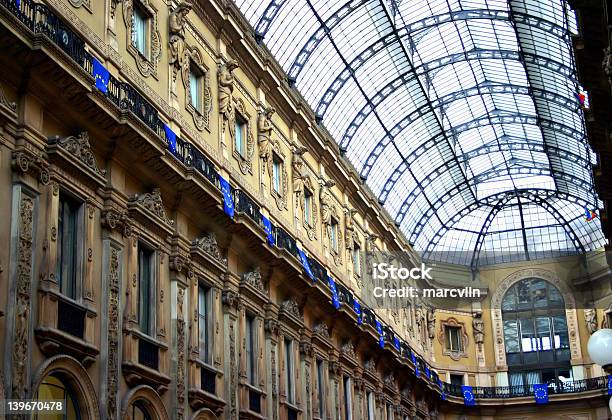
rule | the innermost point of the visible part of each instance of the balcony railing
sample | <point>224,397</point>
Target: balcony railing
<point>70,318</point>
<point>208,380</point>
<point>246,205</point>
<point>148,354</point>
<point>514,391</point>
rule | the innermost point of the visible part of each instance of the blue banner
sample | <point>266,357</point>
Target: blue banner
<point>609,384</point>
<point>332,287</point>
<point>427,372</point>
<point>416,365</point>
<point>228,200</point>
<point>381,336</point>
<point>268,229</point>
<point>441,385</point>
<point>468,395</point>
<point>540,393</point>
<point>396,343</point>
<point>100,73</point>
<point>357,309</point>
<point>171,137</point>
<point>306,265</point>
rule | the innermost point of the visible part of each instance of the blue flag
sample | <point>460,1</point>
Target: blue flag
<point>306,265</point>
<point>171,137</point>
<point>609,384</point>
<point>540,393</point>
<point>268,229</point>
<point>416,365</point>
<point>427,372</point>
<point>396,343</point>
<point>228,200</point>
<point>357,309</point>
<point>381,336</point>
<point>332,287</point>
<point>468,395</point>
<point>18,3</point>
<point>100,73</point>
<point>441,385</point>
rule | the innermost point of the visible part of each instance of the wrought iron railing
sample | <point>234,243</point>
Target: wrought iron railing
<point>514,391</point>
<point>246,205</point>
<point>286,241</point>
<point>318,270</point>
<point>148,354</point>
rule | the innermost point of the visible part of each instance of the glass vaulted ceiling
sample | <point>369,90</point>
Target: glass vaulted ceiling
<point>461,115</point>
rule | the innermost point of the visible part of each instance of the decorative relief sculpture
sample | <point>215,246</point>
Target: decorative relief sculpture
<point>79,147</point>
<point>26,158</point>
<point>431,323</point>
<point>327,203</point>
<point>348,350</point>
<point>478,327</point>
<point>177,57</point>
<point>322,330</point>
<point>298,176</point>
<point>147,62</point>
<point>226,100</point>
<point>291,307</point>
<point>352,238</point>
<point>370,366</point>
<point>23,280</point>
<point>153,202</point>
<point>264,138</point>
<point>253,279</point>
<point>201,116</point>
<point>607,63</point>
<point>112,383</point>
<point>208,245</point>
<point>590,317</point>
<point>4,101</point>
<point>180,351</point>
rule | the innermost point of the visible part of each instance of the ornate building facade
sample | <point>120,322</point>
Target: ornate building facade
<point>127,289</point>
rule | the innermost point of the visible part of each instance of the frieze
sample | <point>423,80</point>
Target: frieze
<point>253,279</point>
<point>79,147</point>
<point>322,330</point>
<point>291,307</point>
<point>152,202</point>
<point>25,159</point>
<point>207,244</point>
<point>112,383</point>
<point>348,350</point>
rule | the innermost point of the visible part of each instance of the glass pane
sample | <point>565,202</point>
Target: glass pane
<point>194,89</point>
<point>511,336</point>
<point>139,31</point>
<point>238,141</point>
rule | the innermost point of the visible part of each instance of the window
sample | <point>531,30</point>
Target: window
<point>204,303</point>
<point>371,406</point>
<point>195,88</point>
<point>240,137</point>
<point>67,246</point>
<point>55,387</point>
<point>333,235</point>
<point>139,411</point>
<point>146,301</point>
<point>321,387</point>
<point>277,168</point>
<point>357,259</point>
<point>535,334</point>
<point>308,207</point>
<point>251,359</point>
<point>289,366</point>
<point>456,380</point>
<point>140,26</point>
<point>348,398</point>
<point>389,412</point>
<point>453,339</point>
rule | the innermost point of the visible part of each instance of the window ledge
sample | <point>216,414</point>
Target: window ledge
<point>53,341</point>
<point>199,398</point>
<point>137,374</point>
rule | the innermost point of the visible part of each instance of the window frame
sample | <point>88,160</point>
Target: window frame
<point>251,347</point>
<point>78,246</point>
<point>152,296</point>
<point>205,347</point>
<point>334,228</point>
<point>140,10</point>
<point>449,339</point>
<point>288,344</point>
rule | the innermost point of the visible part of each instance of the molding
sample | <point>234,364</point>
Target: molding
<point>146,65</point>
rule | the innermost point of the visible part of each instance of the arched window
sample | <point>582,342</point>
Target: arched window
<point>56,386</point>
<point>535,333</point>
<point>139,411</point>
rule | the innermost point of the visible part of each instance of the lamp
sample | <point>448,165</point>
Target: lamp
<point>600,348</point>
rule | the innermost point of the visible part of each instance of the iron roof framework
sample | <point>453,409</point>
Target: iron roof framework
<point>460,115</point>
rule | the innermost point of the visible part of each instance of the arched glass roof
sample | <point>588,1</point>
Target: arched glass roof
<point>462,116</point>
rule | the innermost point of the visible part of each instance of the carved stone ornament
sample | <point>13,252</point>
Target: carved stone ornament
<point>79,147</point>
<point>305,347</point>
<point>180,351</point>
<point>230,298</point>
<point>478,327</point>
<point>208,245</point>
<point>322,330</point>
<point>271,326</point>
<point>4,101</point>
<point>117,219</point>
<point>264,137</point>
<point>327,203</point>
<point>370,366</point>
<point>81,3</point>
<point>226,96</point>
<point>590,318</point>
<point>291,307</point>
<point>201,117</point>
<point>176,26</point>
<point>253,279</point>
<point>244,157</point>
<point>112,383</point>
<point>280,195</point>
<point>298,176</point>
<point>390,381</point>
<point>442,336</point>
<point>607,63</point>
<point>431,323</point>
<point>147,62</point>
<point>153,202</point>
<point>179,263</point>
<point>26,159</point>
<point>348,349</point>
<point>351,236</point>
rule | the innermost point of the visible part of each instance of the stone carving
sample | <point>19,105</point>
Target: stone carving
<point>478,327</point>
<point>180,351</point>
<point>208,245</point>
<point>113,219</point>
<point>607,63</point>
<point>253,279</point>
<point>230,298</point>
<point>290,306</point>
<point>327,203</point>
<point>322,330</point>
<point>233,369</point>
<point>271,326</point>
<point>370,366</point>
<point>390,380</point>
<point>371,243</point>
<point>153,202</point>
<point>23,281</point>
<point>431,323</point>
<point>264,138</point>
<point>79,147</point>
<point>273,384</point>
<point>112,369</point>
<point>4,101</point>
<point>147,63</point>
<point>177,57</point>
<point>298,176</point>
<point>590,317</point>
<point>26,159</point>
<point>226,100</point>
<point>305,347</point>
<point>351,236</point>
<point>348,350</point>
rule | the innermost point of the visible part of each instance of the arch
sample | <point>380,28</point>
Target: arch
<point>77,378</point>
<point>204,414</point>
<point>152,400</point>
<point>496,312</point>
